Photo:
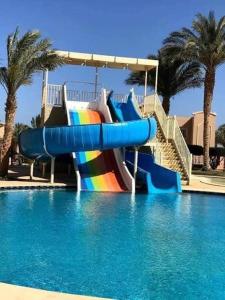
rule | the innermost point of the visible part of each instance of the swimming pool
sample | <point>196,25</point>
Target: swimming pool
<point>114,245</point>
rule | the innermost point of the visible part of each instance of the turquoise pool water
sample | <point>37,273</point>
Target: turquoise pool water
<point>113,245</point>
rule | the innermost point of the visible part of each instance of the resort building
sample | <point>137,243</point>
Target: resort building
<point>192,130</point>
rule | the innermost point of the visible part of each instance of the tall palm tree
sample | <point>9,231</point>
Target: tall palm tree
<point>26,55</point>
<point>203,43</point>
<point>174,77</point>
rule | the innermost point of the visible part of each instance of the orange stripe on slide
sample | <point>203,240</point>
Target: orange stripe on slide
<point>110,178</point>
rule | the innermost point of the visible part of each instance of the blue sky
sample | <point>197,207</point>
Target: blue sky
<point>116,27</point>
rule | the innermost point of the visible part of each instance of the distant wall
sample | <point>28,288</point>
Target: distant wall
<point>198,123</point>
<point>186,126</point>
<point>54,115</point>
<point>192,128</point>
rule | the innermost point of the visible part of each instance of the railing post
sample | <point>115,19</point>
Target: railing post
<point>154,109</point>
<point>167,128</point>
<point>174,127</point>
<point>190,169</point>
<point>146,82</point>
<point>64,93</point>
<point>144,106</point>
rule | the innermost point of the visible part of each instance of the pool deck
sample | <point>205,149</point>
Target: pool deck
<point>19,178</point>
<point>15,292</point>
<point>197,185</point>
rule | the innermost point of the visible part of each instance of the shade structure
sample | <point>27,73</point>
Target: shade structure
<point>107,61</point>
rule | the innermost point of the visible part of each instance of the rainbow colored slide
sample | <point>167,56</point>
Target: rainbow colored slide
<point>94,141</point>
<point>103,169</point>
<point>98,169</point>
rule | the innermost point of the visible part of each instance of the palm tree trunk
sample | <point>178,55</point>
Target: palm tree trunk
<point>208,96</point>
<point>10,111</point>
<point>166,104</point>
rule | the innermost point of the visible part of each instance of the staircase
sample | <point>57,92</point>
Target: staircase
<point>169,146</point>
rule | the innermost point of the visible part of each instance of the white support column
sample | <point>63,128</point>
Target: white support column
<point>156,79</point>
<point>44,87</point>
<point>190,170</point>
<point>52,169</point>
<point>44,95</point>
<point>135,163</point>
<point>96,81</point>
<point>32,170</point>
<point>146,82</point>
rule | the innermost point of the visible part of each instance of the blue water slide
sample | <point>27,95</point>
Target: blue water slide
<point>156,178</point>
<point>53,141</point>
<point>123,111</point>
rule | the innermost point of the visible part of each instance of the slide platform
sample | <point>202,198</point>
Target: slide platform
<point>154,177</point>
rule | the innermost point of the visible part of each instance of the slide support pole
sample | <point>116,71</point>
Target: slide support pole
<point>146,82</point>
<point>52,169</point>
<point>32,170</point>
<point>135,163</point>
<point>156,79</point>
<point>96,81</point>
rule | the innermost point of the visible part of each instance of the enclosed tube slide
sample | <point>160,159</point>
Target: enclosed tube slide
<point>90,139</point>
<point>102,169</point>
<point>155,178</point>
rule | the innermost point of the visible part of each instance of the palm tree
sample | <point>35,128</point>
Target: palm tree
<point>220,135</point>
<point>174,77</point>
<point>36,121</point>
<point>204,43</point>
<point>18,128</point>
<point>25,56</point>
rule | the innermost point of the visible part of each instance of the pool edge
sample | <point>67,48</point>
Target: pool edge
<point>16,292</point>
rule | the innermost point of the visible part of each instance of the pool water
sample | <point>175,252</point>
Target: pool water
<point>114,245</point>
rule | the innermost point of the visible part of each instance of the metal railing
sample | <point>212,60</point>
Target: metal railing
<point>176,135</point>
<point>54,94</point>
<point>170,129</point>
<point>152,105</point>
<point>84,96</point>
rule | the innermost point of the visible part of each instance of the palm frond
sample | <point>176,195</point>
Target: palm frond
<point>174,75</point>
<point>26,56</point>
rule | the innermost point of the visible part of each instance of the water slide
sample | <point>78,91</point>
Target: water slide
<point>94,141</point>
<point>154,177</point>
